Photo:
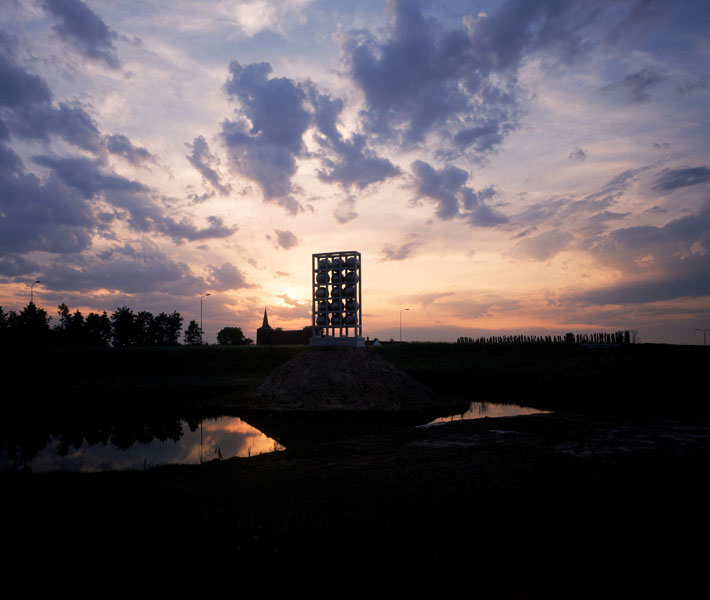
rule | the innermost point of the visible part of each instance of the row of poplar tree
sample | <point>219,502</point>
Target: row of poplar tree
<point>616,337</point>
<point>31,327</point>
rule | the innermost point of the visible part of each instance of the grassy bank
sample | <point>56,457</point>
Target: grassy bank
<point>628,379</point>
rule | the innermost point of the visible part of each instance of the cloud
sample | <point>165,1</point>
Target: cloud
<point>27,110</point>
<point>423,77</point>
<point>120,145</point>
<point>288,300</point>
<point>19,88</point>
<point>227,277</point>
<point>690,87</point>
<point>578,154</point>
<point>253,16</point>
<point>354,164</point>
<point>446,188</point>
<point>123,268</point>
<point>637,85</point>
<point>404,250</point>
<point>671,179</point>
<point>132,199</point>
<point>658,263</point>
<point>49,217</point>
<point>345,210</point>
<point>284,239</point>
<point>264,143</point>
<point>205,162</point>
<point>544,246</point>
<point>81,27</point>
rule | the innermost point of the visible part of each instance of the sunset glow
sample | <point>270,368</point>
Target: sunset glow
<point>503,167</point>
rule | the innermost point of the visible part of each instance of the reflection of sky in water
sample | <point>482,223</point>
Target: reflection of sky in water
<point>479,410</point>
<point>229,436</point>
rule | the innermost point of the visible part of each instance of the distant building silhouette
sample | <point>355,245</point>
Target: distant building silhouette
<point>268,336</point>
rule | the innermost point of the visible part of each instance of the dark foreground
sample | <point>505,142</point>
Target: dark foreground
<point>611,503</point>
<point>541,506</point>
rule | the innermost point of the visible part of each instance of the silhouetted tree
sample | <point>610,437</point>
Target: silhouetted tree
<point>165,329</point>
<point>193,334</point>
<point>98,329</point>
<point>232,336</point>
<point>123,327</point>
<point>143,328</point>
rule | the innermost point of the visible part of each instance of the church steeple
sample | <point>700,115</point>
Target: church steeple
<point>265,324</point>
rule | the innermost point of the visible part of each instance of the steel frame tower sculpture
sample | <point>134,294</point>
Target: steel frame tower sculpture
<point>336,282</point>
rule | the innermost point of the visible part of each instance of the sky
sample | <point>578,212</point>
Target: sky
<point>504,167</point>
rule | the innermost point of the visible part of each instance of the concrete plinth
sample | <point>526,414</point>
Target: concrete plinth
<point>348,342</point>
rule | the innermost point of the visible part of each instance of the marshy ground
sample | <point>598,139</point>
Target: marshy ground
<point>603,504</point>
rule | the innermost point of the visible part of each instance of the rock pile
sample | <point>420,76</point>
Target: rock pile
<point>340,380</point>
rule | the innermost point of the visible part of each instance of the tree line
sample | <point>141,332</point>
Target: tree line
<point>32,326</point>
<point>615,337</point>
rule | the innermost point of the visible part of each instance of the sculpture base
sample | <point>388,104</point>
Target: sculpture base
<point>349,342</point>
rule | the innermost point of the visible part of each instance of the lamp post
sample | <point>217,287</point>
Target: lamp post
<point>705,331</point>
<point>32,291</point>
<point>400,323</point>
<point>201,297</point>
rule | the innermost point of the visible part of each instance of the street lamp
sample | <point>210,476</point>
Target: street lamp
<point>400,323</point>
<point>201,297</point>
<point>705,331</point>
<point>32,291</point>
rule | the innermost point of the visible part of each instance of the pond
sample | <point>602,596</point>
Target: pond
<point>184,443</point>
<point>480,410</point>
<point>141,445</point>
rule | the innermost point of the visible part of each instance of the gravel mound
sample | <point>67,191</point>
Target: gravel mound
<point>342,379</point>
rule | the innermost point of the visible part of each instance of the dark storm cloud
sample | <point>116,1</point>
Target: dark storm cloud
<point>204,162</point>
<point>637,85</point>
<point>264,145</point>
<point>424,77</point>
<point>120,145</point>
<point>27,111</point>
<point>227,277</point>
<point>671,179</point>
<point>446,188</point>
<point>81,27</point>
<point>353,163</point>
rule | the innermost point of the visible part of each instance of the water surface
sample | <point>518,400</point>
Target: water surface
<point>185,443</point>
<point>144,444</point>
